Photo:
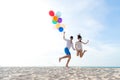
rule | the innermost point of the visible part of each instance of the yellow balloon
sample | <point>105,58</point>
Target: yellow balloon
<point>63,25</point>
<point>57,25</point>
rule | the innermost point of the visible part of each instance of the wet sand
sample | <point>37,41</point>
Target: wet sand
<point>58,73</point>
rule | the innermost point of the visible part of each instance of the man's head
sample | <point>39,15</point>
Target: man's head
<point>71,37</point>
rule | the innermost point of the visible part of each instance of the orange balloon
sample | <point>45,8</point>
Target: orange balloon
<point>55,18</point>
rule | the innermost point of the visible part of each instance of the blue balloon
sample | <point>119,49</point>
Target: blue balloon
<point>61,29</point>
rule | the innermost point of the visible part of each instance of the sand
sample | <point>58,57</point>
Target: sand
<point>58,73</point>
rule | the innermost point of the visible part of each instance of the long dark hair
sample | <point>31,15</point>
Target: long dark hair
<point>79,37</point>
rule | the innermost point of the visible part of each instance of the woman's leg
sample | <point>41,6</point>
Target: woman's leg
<point>82,53</point>
<point>78,53</point>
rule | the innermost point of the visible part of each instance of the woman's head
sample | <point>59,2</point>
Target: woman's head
<point>79,37</point>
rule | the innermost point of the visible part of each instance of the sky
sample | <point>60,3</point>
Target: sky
<point>29,38</point>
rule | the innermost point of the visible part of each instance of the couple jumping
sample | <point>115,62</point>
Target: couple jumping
<point>78,48</point>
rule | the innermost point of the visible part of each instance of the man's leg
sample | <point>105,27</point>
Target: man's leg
<point>66,56</point>
<point>69,57</point>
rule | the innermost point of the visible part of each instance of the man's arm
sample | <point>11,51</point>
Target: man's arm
<point>64,36</point>
<point>73,47</point>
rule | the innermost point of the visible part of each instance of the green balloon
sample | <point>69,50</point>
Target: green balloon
<point>54,22</point>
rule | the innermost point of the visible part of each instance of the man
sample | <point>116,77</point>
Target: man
<point>67,48</point>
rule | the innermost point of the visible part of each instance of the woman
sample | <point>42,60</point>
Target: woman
<point>78,46</point>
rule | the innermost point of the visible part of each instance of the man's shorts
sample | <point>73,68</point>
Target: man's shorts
<point>67,51</point>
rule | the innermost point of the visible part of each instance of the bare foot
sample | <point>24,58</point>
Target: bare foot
<point>67,66</point>
<point>85,51</point>
<point>77,54</point>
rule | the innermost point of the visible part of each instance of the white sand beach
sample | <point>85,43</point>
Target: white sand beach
<point>58,73</point>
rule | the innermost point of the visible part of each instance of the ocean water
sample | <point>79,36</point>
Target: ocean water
<point>100,66</point>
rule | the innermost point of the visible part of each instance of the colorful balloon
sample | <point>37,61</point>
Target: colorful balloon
<point>51,13</point>
<point>58,14</point>
<point>61,29</point>
<point>57,25</point>
<point>59,20</point>
<point>55,18</point>
<point>63,25</point>
<point>54,22</point>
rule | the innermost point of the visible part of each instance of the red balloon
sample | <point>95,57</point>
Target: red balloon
<point>51,13</point>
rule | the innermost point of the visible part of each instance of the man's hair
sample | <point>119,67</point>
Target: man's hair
<point>71,37</point>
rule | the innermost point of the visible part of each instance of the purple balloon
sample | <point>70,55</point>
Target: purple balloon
<point>59,20</point>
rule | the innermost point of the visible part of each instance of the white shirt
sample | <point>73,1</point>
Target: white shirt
<point>68,44</point>
<point>78,45</point>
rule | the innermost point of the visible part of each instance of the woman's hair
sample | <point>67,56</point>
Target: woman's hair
<point>79,36</point>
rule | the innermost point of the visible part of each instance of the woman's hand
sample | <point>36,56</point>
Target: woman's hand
<point>87,41</point>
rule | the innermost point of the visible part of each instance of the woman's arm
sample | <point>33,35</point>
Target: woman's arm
<point>85,42</point>
<point>75,45</point>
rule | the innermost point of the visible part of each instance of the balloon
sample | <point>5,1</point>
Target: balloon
<point>61,29</point>
<point>51,13</point>
<point>59,20</point>
<point>58,14</point>
<point>54,22</point>
<point>57,25</point>
<point>63,25</point>
<point>55,18</point>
